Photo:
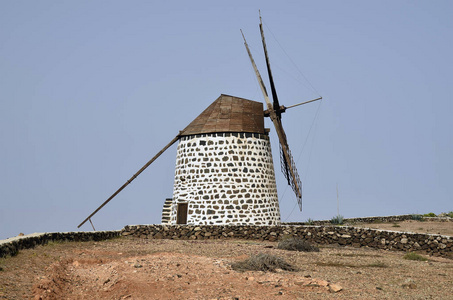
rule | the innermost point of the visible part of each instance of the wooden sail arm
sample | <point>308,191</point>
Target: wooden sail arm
<point>283,108</point>
<point>269,72</point>
<point>302,103</point>
<point>277,124</point>
<point>130,180</point>
<point>258,76</point>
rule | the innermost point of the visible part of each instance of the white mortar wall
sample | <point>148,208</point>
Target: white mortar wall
<point>226,178</point>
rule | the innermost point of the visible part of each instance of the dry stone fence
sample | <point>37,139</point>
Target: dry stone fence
<point>11,247</point>
<point>433,244</point>
<point>437,245</point>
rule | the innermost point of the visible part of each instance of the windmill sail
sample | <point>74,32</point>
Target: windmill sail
<point>293,178</point>
<point>288,165</point>
<point>286,159</point>
<point>269,72</point>
<point>278,112</point>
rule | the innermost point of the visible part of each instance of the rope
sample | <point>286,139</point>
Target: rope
<point>253,76</point>
<point>295,205</point>
<point>309,131</point>
<point>309,156</point>
<point>294,64</point>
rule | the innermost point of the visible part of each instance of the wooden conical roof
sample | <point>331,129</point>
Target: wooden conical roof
<point>228,114</point>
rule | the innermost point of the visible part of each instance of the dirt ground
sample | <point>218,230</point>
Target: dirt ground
<point>132,268</point>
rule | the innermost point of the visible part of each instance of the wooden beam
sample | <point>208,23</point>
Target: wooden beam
<point>131,179</point>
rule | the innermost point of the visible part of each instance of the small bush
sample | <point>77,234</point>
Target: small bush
<point>444,214</point>
<point>396,225</point>
<point>337,220</point>
<point>432,215</point>
<point>416,217</point>
<point>310,222</point>
<point>262,262</point>
<point>414,256</point>
<point>296,244</point>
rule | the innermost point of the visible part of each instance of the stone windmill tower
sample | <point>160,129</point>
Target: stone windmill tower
<point>224,170</point>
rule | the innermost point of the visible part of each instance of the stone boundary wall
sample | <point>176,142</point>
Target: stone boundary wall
<point>433,244</point>
<point>11,246</point>
<point>389,219</point>
<point>436,245</point>
<point>438,219</point>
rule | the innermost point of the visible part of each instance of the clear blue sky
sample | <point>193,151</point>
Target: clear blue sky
<point>91,90</point>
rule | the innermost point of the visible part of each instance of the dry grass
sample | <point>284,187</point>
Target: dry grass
<point>357,255</point>
<point>414,256</point>
<point>296,244</point>
<point>346,265</point>
<point>263,262</point>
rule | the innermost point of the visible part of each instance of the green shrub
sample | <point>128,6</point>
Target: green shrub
<point>414,256</point>
<point>444,214</point>
<point>262,262</point>
<point>310,222</point>
<point>337,220</point>
<point>430,215</point>
<point>296,244</point>
<point>416,217</point>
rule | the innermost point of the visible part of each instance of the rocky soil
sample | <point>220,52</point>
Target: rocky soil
<point>134,268</point>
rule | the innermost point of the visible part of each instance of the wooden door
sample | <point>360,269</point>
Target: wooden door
<point>181,217</point>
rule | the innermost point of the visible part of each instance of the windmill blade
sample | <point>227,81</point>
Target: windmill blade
<point>286,160</point>
<point>291,170</point>
<point>283,162</point>
<point>278,111</point>
<point>269,72</point>
<point>130,180</point>
<point>258,76</point>
<point>292,177</point>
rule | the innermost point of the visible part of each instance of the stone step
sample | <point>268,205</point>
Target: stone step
<point>166,211</point>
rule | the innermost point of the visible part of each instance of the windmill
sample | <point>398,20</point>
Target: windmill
<point>224,171</point>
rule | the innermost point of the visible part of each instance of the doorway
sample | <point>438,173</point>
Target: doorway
<point>181,215</point>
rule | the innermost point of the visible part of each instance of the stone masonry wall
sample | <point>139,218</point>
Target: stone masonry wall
<point>437,245</point>
<point>388,219</point>
<point>226,178</point>
<point>11,246</point>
